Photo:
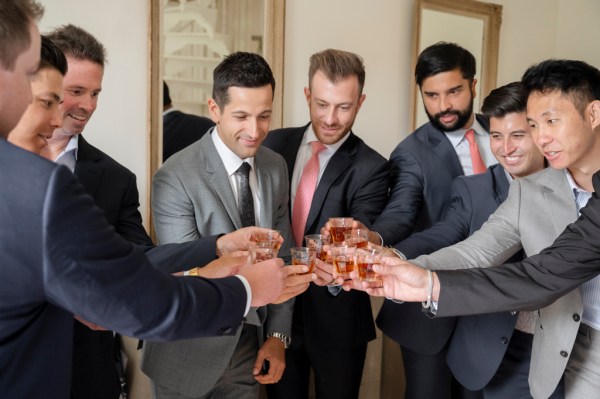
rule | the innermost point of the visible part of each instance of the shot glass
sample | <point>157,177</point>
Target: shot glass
<point>338,226</point>
<point>269,236</point>
<point>344,259</point>
<point>318,243</point>
<point>357,237</point>
<point>365,260</point>
<point>261,251</point>
<point>303,256</point>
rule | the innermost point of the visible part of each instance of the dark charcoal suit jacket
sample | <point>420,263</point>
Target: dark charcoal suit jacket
<point>181,129</point>
<point>60,257</point>
<point>424,165</point>
<point>114,190</point>
<point>476,347</point>
<point>354,183</point>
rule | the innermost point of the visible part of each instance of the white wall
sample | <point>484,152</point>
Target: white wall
<point>118,126</point>
<point>380,31</point>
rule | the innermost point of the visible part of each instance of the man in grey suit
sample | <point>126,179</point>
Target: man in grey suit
<point>196,193</point>
<point>563,110</point>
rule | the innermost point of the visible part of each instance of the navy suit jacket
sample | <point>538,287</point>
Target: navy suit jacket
<point>424,165</point>
<point>60,257</point>
<point>114,190</point>
<point>354,183</point>
<point>181,129</point>
<point>479,342</point>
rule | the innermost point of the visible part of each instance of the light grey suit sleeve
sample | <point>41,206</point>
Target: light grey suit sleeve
<point>498,239</point>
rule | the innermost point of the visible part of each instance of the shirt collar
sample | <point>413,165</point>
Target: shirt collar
<point>574,186</point>
<point>310,136</point>
<point>230,159</point>
<point>72,145</point>
<point>457,136</point>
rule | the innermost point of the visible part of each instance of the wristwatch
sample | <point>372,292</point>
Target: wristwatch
<point>283,338</point>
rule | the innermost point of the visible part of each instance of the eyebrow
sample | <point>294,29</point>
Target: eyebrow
<point>450,89</point>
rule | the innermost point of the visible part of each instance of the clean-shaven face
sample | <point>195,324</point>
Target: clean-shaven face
<point>565,137</point>
<point>333,106</point>
<point>513,146</point>
<point>82,86</point>
<point>244,122</point>
<point>43,115</point>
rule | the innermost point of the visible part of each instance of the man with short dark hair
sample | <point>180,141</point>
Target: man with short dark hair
<point>563,109</point>
<point>180,129</point>
<point>454,142</point>
<point>225,181</point>
<point>351,179</point>
<point>60,257</point>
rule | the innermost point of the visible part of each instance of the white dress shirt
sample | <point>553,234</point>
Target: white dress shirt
<point>461,146</point>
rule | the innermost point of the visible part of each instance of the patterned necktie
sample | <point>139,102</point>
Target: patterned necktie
<point>68,159</point>
<point>246,203</point>
<point>478,164</point>
<point>305,192</point>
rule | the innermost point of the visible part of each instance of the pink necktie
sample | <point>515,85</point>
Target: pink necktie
<point>478,164</point>
<point>305,192</point>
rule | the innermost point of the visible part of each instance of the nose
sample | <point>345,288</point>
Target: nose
<point>88,103</point>
<point>445,103</point>
<point>509,146</point>
<point>253,129</point>
<point>56,120</point>
<point>541,137</point>
<point>330,116</point>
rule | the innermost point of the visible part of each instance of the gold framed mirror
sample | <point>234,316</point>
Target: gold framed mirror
<point>472,24</point>
<point>207,20</point>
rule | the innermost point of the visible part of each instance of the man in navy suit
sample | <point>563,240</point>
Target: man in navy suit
<point>479,343</point>
<point>60,257</point>
<point>330,329</point>
<point>180,129</point>
<point>424,165</point>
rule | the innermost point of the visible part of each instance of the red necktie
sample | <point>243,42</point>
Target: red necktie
<point>478,164</point>
<point>305,192</point>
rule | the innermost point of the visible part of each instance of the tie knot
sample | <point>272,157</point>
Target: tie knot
<point>244,169</point>
<point>470,136</point>
<point>317,146</point>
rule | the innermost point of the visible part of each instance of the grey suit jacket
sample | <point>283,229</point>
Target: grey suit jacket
<point>537,210</point>
<point>192,198</point>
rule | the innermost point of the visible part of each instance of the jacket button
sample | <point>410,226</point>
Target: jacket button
<point>513,313</point>
<point>224,331</point>
<point>564,353</point>
<point>576,317</point>
<point>504,340</point>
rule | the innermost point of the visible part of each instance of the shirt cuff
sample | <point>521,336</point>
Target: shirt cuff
<point>248,292</point>
<point>334,289</point>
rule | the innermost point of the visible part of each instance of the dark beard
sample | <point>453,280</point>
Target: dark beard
<point>463,118</point>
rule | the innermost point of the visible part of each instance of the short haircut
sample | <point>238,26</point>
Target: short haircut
<point>240,69</point>
<point>337,65</point>
<point>52,57</point>
<point>444,57</point>
<point>166,95</point>
<point>15,19</point>
<point>504,100</point>
<point>79,44</point>
<point>575,79</point>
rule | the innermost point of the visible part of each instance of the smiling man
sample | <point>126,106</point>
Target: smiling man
<point>563,110</point>
<point>42,116</point>
<point>424,165</point>
<point>348,179</point>
<point>484,347</point>
<point>223,182</point>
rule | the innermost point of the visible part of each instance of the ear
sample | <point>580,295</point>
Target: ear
<point>214,110</point>
<point>307,95</point>
<point>473,87</point>
<point>361,100</point>
<point>594,108</point>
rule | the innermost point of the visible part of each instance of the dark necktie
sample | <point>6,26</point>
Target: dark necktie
<point>246,203</point>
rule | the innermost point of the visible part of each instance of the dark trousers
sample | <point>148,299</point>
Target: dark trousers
<point>428,376</point>
<point>511,379</point>
<point>337,374</point>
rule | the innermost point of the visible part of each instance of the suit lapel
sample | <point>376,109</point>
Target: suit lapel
<point>501,184</point>
<point>219,179</point>
<point>442,147</point>
<point>86,168</point>
<point>338,164</point>
<point>558,196</point>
